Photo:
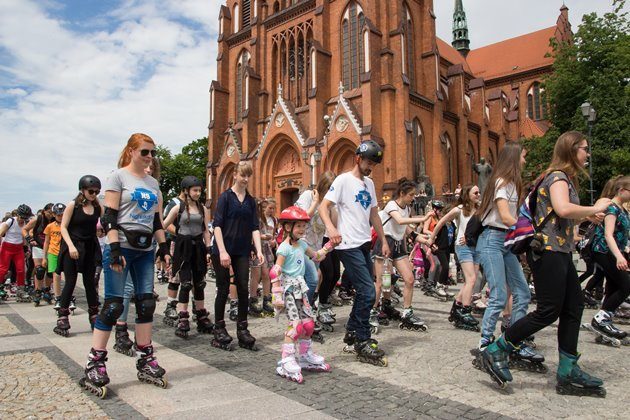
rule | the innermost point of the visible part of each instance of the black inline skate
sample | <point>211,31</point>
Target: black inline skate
<point>233,311</point>
<point>589,301</point>
<point>123,343</point>
<point>222,339</point>
<point>368,352</point>
<point>574,381</point>
<point>267,307</point>
<point>389,310</point>
<point>73,304</point>
<point>255,309</point>
<point>324,318</point>
<point>204,325</point>
<point>461,317</point>
<point>63,325</point>
<point>92,315</point>
<point>606,332</point>
<point>183,325</point>
<point>47,296</point>
<point>37,297</point>
<point>346,296</point>
<point>170,314</point>
<point>96,379</point>
<point>374,321</point>
<point>349,339</point>
<point>526,358</point>
<point>22,296</point>
<point>494,359</point>
<point>317,335</point>
<point>410,321</point>
<point>245,339</point>
<point>149,370</point>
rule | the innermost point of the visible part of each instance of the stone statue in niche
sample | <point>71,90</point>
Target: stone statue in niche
<point>288,163</point>
<point>484,170</point>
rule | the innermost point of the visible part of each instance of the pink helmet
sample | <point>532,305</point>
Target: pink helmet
<point>294,214</point>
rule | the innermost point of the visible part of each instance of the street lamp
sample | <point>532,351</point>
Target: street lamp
<point>312,160</point>
<point>590,116</point>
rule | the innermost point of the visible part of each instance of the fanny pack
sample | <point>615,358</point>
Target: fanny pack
<point>138,239</point>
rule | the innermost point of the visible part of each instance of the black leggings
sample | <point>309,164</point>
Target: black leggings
<point>558,295</point>
<point>70,273</point>
<point>198,284</point>
<point>240,265</point>
<point>330,268</point>
<point>597,280</point>
<point>442,256</point>
<point>617,284</point>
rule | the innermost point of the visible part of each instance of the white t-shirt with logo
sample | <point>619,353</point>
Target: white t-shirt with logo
<point>507,192</point>
<point>392,228</point>
<point>354,198</point>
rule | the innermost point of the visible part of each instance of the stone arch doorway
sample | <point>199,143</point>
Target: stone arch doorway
<point>341,156</point>
<point>282,171</point>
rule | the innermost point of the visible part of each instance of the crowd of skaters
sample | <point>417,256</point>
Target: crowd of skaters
<point>334,234</point>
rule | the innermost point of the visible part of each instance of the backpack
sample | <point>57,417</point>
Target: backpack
<point>585,245</point>
<point>519,238</point>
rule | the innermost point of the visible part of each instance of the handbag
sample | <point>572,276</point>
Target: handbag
<point>474,228</point>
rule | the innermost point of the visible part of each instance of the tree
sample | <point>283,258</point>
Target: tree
<point>593,68</point>
<point>191,161</point>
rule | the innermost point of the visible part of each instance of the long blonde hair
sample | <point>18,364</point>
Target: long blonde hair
<point>134,142</point>
<point>565,156</point>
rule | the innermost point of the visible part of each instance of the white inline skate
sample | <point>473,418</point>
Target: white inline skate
<point>309,360</point>
<point>288,367</point>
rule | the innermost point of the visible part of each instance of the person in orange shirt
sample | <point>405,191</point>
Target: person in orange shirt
<point>52,243</point>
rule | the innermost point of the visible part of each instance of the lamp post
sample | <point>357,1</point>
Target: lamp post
<point>590,116</point>
<point>312,160</point>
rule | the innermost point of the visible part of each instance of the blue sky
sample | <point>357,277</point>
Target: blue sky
<point>77,77</point>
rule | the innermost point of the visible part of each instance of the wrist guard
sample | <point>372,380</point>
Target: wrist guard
<point>163,250</point>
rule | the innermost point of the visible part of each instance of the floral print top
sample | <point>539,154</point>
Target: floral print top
<point>557,232</point>
<point>622,227</point>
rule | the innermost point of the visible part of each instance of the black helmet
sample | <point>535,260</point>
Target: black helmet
<point>437,204</point>
<point>89,181</point>
<point>191,181</point>
<point>24,211</point>
<point>370,150</point>
<point>58,209</point>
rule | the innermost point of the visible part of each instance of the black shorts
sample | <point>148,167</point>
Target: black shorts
<point>396,248</point>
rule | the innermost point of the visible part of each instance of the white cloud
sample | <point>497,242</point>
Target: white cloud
<point>78,96</point>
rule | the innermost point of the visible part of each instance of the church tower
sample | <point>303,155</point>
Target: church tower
<point>460,29</point>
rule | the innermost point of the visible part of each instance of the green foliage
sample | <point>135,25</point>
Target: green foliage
<point>191,161</point>
<point>593,69</point>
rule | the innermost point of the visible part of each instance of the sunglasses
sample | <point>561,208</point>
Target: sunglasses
<point>145,152</point>
<point>93,192</point>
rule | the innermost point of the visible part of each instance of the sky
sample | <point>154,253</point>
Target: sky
<point>78,77</point>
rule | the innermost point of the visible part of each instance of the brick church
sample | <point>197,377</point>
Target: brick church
<point>300,83</point>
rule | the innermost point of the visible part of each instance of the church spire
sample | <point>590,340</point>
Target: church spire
<point>460,29</point>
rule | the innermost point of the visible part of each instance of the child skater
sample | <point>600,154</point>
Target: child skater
<point>290,291</point>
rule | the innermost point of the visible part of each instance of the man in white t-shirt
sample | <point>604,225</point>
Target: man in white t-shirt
<point>355,197</point>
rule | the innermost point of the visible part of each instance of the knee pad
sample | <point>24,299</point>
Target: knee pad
<point>173,286</point>
<point>294,330</point>
<point>186,286</point>
<point>200,285</point>
<point>308,326</point>
<point>145,307</point>
<point>40,272</point>
<point>112,309</point>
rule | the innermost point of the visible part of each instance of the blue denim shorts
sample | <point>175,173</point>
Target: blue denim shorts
<point>466,254</point>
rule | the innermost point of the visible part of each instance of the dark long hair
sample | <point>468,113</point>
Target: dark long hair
<point>404,186</point>
<point>80,201</point>
<point>508,169</point>
<point>468,205</point>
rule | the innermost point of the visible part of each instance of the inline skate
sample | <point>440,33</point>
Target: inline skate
<point>47,296</point>
<point>388,309</point>
<point>149,370</point>
<point>233,312</point>
<point>605,331</point>
<point>589,301</point>
<point>57,303</point>
<point>204,325</point>
<point>222,339</point>
<point>574,381</point>
<point>324,318</point>
<point>374,324</point>
<point>255,309</point>
<point>349,339</point>
<point>443,292</point>
<point>526,358</point>
<point>171,316</point>
<point>245,339</point>
<point>317,333</point>
<point>22,296</point>
<point>63,325</point>
<point>123,343</point>
<point>183,325</point>
<point>410,321</point>
<point>3,294</point>
<point>288,367</point>
<point>461,317</point>
<point>72,306</point>
<point>368,352</point>
<point>310,361</point>
<point>267,307</point>
<point>494,359</point>
<point>346,296</point>
<point>96,379</point>
<point>37,297</point>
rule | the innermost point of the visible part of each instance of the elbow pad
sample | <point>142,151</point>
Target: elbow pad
<point>109,219</point>
<point>157,223</point>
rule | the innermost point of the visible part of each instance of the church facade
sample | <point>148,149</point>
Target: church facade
<point>300,83</point>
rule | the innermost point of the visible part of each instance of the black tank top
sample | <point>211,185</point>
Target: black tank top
<point>83,226</point>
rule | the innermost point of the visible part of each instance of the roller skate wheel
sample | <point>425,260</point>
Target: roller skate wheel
<point>163,383</point>
<point>383,362</point>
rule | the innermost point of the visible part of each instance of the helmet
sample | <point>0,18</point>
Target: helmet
<point>437,204</point>
<point>294,214</point>
<point>58,209</point>
<point>24,211</point>
<point>370,150</point>
<point>191,181</point>
<point>89,181</point>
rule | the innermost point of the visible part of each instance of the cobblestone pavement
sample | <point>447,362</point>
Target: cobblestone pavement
<point>429,374</point>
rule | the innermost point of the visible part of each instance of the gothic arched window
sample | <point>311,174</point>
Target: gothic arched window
<point>536,102</point>
<point>237,18</point>
<point>241,85</point>
<point>407,49</point>
<point>352,45</point>
<point>417,137</point>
